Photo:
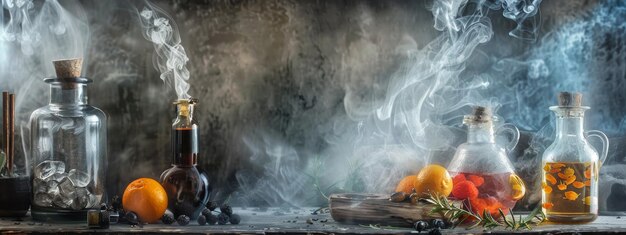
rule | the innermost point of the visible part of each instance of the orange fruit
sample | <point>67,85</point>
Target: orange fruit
<point>406,184</point>
<point>147,198</point>
<point>547,189</point>
<point>570,180</point>
<point>578,184</point>
<point>571,195</point>
<point>433,179</point>
<point>548,205</point>
<point>588,173</point>
<point>550,178</point>
<point>518,189</point>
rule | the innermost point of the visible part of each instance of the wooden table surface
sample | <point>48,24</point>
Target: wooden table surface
<point>290,221</point>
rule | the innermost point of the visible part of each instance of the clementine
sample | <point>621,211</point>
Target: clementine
<point>406,184</point>
<point>433,179</point>
<point>147,198</point>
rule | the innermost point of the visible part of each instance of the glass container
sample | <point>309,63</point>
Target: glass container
<point>68,153</point>
<point>482,173</point>
<point>187,189</point>
<point>570,165</point>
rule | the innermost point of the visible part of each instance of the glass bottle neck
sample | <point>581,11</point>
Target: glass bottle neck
<point>569,127</point>
<point>68,94</point>
<point>184,117</point>
<point>184,137</point>
<point>569,121</point>
<point>480,133</point>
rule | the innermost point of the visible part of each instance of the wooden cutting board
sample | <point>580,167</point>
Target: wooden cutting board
<point>377,209</point>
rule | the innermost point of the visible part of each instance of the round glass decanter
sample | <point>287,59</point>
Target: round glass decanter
<point>187,189</point>
<point>570,165</point>
<point>68,153</point>
<point>482,165</point>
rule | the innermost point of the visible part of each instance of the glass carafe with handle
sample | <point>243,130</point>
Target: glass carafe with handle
<point>482,173</point>
<point>570,165</point>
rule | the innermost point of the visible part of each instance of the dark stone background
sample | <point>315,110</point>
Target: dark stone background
<point>288,68</point>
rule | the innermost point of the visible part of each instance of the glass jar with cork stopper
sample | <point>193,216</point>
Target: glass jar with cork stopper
<point>68,149</point>
<point>481,170</point>
<point>570,165</point>
<point>187,188</point>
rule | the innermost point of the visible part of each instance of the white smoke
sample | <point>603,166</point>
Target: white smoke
<point>32,35</point>
<point>414,123</point>
<point>171,58</point>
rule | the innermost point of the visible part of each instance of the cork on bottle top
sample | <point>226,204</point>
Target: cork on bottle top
<point>67,69</point>
<point>570,99</point>
<point>480,114</point>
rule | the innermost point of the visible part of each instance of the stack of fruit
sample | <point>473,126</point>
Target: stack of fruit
<point>431,180</point>
<point>481,193</point>
<point>145,201</point>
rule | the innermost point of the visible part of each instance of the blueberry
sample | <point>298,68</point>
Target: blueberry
<point>437,223</point>
<point>132,218</point>
<point>206,212</point>
<point>420,226</point>
<point>222,219</point>
<point>201,220</point>
<point>183,220</point>
<point>235,219</point>
<point>211,218</point>
<point>211,205</point>
<point>168,218</point>
<point>226,209</point>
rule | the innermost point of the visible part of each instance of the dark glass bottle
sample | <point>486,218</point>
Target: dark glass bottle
<point>187,189</point>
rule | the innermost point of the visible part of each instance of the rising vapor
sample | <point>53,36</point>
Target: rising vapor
<point>171,59</point>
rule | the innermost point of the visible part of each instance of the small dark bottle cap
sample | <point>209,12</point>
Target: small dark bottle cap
<point>114,217</point>
<point>98,219</point>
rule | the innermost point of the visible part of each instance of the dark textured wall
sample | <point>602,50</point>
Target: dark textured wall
<point>297,77</point>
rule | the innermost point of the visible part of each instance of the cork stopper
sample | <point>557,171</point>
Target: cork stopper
<point>69,68</point>
<point>479,114</point>
<point>570,99</point>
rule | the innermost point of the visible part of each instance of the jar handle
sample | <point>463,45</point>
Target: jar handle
<point>514,132</point>
<point>605,143</point>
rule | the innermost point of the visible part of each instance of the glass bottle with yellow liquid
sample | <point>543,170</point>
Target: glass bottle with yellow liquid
<point>482,173</point>
<point>570,165</point>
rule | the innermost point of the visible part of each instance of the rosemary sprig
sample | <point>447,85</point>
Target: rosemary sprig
<point>458,215</point>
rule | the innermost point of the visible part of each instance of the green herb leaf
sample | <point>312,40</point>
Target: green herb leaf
<point>457,215</point>
<point>3,159</point>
